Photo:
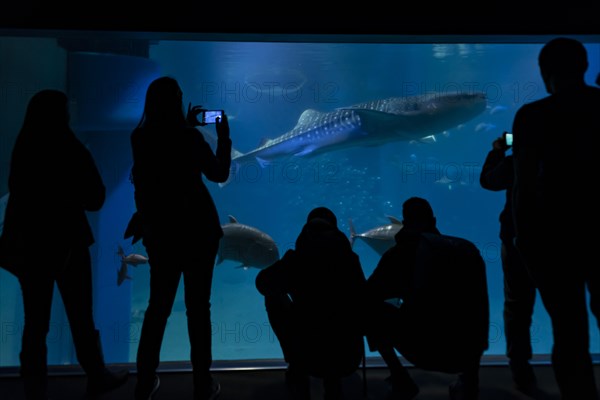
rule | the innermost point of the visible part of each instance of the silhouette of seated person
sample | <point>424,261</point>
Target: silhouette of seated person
<point>313,297</point>
<point>428,300</point>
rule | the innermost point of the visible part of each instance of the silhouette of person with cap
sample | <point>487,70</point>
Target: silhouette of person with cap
<point>314,297</point>
<point>554,200</point>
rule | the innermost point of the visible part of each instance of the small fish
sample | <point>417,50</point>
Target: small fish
<point>132,259</point>
<point>485,127</point>
<point>380,238</point>
<point>497,109</point>
<point>247,245</point>
<point>122,274</point>
<point>126,260</point>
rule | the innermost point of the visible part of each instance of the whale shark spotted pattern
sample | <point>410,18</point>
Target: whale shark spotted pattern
<point>369,124</point>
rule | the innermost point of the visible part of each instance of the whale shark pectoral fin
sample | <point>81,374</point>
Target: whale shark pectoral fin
<point>232,219</point>
<point>305,151</point>
<point>262,162</point>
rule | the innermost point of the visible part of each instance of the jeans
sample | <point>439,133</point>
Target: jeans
<point>167,265</point>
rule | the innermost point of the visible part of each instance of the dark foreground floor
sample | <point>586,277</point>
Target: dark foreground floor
<point>268,384</point>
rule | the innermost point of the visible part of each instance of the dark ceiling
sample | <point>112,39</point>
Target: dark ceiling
<point>416,17</point>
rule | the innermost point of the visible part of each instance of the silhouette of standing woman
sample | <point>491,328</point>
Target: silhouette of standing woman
<point>53,181</point>
<point>179,224</point>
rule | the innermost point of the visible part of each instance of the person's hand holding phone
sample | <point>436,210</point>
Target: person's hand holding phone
<point>503,143</point>
<point>222,126</point>
<point>192,115</point>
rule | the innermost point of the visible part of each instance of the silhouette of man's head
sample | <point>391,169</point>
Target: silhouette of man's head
<point>562,58</point>
<point>417,215</point>
<point>323,213</point>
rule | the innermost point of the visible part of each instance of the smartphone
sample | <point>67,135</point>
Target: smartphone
<point>210,116</point>
<point>508,138</point>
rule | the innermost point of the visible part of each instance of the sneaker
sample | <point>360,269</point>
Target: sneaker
<point>210,393</point>
<point>144,390</point>
<point>106,381</point>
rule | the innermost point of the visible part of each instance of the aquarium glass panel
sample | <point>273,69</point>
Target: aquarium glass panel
<point>457,95</point>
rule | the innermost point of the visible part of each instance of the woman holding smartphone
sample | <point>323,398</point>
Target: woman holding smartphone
<point>179,224</point>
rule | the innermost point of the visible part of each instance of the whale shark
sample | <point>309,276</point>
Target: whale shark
<point>371,123</point>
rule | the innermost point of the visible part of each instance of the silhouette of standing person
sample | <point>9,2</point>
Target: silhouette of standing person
<point>179,224</point>
<point>53,182</point>
<point>429,301</point>
<point>314,296</point>
<point>497,174</point>
<point>554,197</point>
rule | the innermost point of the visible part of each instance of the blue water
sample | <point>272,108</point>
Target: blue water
<point>264,87</point>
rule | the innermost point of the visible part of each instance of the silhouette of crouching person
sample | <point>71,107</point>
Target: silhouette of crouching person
<point>313,297</point>
<point>428,300</point>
